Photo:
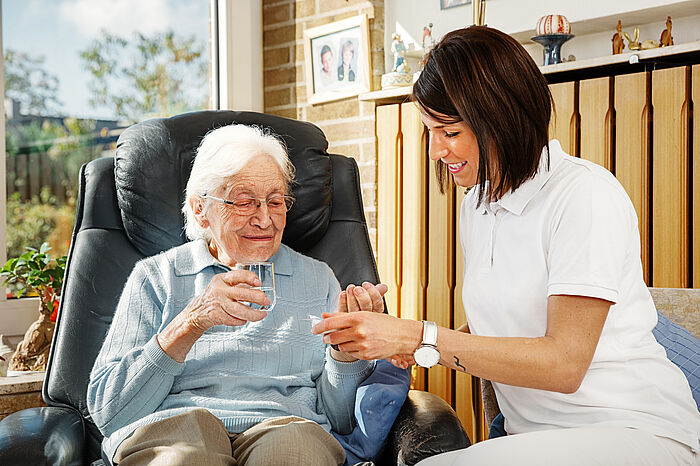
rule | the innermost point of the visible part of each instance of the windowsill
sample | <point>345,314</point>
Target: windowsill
<point>24,383</point>
<point>20,392</point>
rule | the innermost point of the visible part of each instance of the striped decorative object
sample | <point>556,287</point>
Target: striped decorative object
<point>553,24</point>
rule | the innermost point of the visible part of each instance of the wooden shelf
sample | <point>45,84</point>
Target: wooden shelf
<point>398,94</point>
<point>674,55</point>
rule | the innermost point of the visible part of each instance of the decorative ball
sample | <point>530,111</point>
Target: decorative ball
<point>553,24</point>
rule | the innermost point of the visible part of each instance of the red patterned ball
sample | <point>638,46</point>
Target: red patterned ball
<point>553,24</point>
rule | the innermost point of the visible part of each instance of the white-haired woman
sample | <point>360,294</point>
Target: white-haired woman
<point>180,379</point>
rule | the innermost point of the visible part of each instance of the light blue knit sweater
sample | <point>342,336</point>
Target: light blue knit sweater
<point>243,375</point>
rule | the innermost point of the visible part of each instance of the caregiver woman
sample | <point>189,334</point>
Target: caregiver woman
<point>559,317</point>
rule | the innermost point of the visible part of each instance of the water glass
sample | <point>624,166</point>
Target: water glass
<point>266,273</point>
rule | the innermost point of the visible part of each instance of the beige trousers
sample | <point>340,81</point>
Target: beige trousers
<point>200,438</point>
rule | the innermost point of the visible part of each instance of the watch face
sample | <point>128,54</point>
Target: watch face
<point>426,356</point>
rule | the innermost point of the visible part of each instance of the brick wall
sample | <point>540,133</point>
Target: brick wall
<point>349,123</point>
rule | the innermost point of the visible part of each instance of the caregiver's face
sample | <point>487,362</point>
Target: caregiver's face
<point>455,145</point>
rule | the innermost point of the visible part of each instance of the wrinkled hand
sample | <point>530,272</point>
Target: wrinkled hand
<point>220,303</point>
<point>367,297</point>
<point>370,335</point>
<point>402,361</point>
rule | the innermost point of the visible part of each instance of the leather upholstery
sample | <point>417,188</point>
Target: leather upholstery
<point>128,208</point>
<point>163,149</point>
<point>59,428</point>
<point>426,426</point>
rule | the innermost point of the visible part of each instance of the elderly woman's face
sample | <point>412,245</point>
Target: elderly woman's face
<point>255,237</point>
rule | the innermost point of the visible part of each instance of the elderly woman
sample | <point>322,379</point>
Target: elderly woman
<point>188,373</point>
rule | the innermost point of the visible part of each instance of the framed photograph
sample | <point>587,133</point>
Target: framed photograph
<point>337,60</point>
<point>445,4</point>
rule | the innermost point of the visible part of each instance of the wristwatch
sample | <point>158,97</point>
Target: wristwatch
<point>427,354</point>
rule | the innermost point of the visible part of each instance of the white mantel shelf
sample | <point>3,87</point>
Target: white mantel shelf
<point>642,55</point>
<point>402,93</point>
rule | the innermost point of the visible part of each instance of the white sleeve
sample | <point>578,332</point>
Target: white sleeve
<point>590,239</point>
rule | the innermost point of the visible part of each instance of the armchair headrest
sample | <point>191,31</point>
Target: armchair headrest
<point>153,163</point>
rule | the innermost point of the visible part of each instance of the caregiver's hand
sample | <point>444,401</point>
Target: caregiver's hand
<point>370,335</point>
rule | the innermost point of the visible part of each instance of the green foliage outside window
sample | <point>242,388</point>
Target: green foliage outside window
<point>37,221</point>
<point>149,76</point>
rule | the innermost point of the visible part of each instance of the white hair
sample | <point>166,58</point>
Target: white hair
<point>221,155</point>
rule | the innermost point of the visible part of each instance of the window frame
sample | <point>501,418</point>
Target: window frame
<point>16,315</point>
<point>232,87</point>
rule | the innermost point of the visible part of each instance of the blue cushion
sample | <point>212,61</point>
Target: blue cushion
<point>683,349</point>
<point>378,401</point>
<point>497,427</point>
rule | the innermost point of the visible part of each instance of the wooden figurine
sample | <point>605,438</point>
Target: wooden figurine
<point>617,43</point>
<point>666,38</point>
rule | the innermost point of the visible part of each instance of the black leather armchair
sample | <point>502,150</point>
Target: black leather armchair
<point>129,208</point>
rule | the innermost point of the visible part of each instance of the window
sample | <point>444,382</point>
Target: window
<point>77,73</point>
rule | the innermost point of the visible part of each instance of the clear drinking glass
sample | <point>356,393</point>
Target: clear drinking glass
<point>266,273</point>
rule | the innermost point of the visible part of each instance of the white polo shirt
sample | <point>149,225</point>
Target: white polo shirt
<point>572,230</point>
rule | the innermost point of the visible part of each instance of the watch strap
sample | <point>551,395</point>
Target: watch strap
<point>429,333</point>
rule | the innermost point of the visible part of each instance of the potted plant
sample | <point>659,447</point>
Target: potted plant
<point>35,272</point>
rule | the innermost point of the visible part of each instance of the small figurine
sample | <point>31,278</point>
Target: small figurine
<point>633,44</point>
<point>617,43</point>
<point>400,73</point>
<point>649,44</point>
<point>428,42</point>
<point>666,38</point>
<point>398,48</point>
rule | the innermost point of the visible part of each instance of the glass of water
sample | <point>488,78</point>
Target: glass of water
<point>266,273</point>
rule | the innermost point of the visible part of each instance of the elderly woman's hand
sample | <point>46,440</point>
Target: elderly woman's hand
<point>368,297</point>
<point>221,303</point>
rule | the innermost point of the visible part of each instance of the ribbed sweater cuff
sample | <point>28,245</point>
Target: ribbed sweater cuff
<point>355,368</point>
<point>160,358</point>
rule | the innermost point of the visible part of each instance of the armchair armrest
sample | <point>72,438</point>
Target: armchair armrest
<point>39,436</point>
<point>425,426</point>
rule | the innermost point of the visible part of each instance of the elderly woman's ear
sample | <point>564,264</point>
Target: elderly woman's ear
<point>197,205</point>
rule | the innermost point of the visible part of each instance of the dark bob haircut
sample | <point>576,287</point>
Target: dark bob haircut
<point>486,79</point>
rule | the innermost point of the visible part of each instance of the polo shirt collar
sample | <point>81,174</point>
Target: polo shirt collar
<point>194,257</point>
<point>516,201</point>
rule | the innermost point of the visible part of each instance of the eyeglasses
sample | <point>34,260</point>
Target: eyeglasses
<point>250,205</point>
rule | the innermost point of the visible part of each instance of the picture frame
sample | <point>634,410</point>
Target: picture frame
<point>445,4</point>
<point>337,60</point>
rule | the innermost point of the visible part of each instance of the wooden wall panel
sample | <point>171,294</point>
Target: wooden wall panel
<point>695,195</point>
<point>596,114</point>
<point>440,279</point>
<point>466,386</point>
<point>414,221</point>
<point>670,169</point>
<point>632,106</point>
<point>563,125</point>
<point>388,203</point>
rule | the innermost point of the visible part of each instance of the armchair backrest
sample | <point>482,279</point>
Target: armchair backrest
<point>129,208</point>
